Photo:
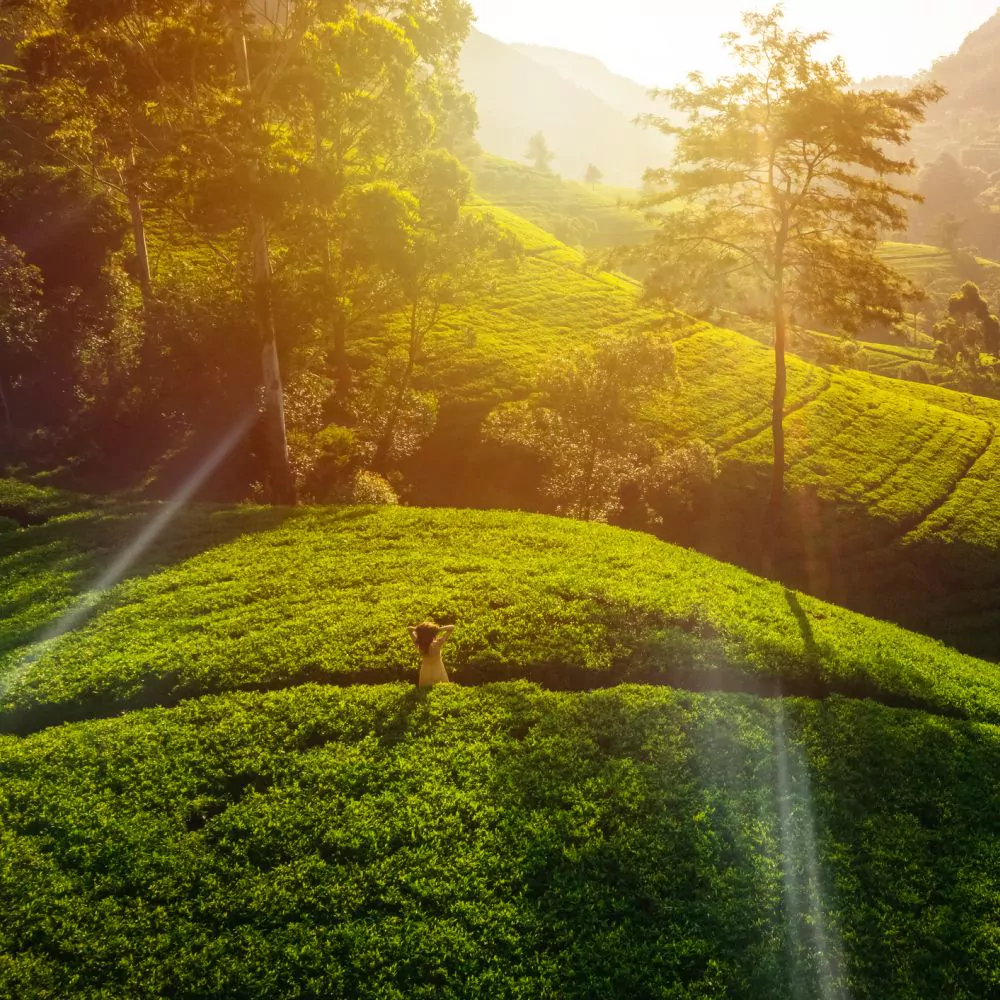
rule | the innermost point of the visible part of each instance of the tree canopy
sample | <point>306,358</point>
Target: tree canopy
<point>284,170</point>
<point>781,184</point>
<point>539,154</point>
<point>969,330</point>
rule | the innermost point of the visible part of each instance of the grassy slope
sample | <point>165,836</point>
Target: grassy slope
<point>246,596</point>
<point>600,213</point>
<point>483,842</point>
<point>875,460</point>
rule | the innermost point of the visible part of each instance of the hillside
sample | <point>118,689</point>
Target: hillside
<point>596,217</point>
<point>931,267</point>
<point>377,841</point>
<point>879,468</point>
<point>201,613</point>
<point>971,74</point>
<point>517,96</point>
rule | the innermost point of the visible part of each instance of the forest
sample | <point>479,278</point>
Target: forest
<point>672,415</point>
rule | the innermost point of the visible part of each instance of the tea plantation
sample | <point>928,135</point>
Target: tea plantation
<point>290,831</point>
<point>232,598</point>
<point>658,776</point>
<point>873,461</point>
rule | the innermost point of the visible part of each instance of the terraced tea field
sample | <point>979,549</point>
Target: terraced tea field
<point>926,265</point>
<point>870,458</point>
<point>482,840</point>
<point>596,217</point>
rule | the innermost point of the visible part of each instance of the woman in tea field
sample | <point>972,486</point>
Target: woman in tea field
<point>429,639</point>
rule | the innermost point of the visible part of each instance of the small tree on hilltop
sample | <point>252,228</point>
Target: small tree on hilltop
<point>539,154</point>
<point>593,176</point>
<point>585,425</point>
<point>968,330</point>
<point>781,185</point>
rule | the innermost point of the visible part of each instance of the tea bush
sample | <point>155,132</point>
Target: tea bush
<point>501,842</point>
<point>234,598</point>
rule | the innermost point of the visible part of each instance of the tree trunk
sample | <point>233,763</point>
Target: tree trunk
<point>139,235</point>
<point>381,460</point>
<point>8,417</point>
<point>342,377</point>
<point>141,250</point>
<point>280,470</point>
<point>281,480</point>
<point>339,360</point>
<point>774,521</point>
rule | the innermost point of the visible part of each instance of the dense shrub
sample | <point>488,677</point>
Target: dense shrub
<point>501,843</point>
<point>234,597</point>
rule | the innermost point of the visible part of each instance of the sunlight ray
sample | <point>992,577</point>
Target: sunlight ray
<point>78,612</point>
<point>810,937</point>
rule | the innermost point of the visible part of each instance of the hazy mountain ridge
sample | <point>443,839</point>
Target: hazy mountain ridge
<point>518,94</point>
<point>617,91</point>
<point>972,74</point>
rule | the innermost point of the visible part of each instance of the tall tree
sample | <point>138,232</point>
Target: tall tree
<point>780,185</point>
<point>969,329</point>
<point>20,312</point>
<point>539,154</point>
<point>593,176</point>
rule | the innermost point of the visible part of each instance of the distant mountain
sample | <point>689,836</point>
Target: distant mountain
<point>972,74</point>
<point>520,94</point>
<point>619,92</point>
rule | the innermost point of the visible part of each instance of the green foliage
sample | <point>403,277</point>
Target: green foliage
<point>303,151</point>
<point>20,315</point>
<point>370,489</point>
<point>678,481</point>
<point>969,330</point>
<point>585,421</point>
<point>240,597</point>
<point>781,186</point>
<point>500,843</point>
<point>780,176</point>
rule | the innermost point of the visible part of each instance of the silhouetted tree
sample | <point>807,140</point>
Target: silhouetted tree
<point>968,330</point>
<point>780,184</point>
<point>539,154</point>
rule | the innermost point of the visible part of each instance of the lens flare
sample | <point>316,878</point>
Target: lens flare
<point>815,953</point>
<point>81,608</point>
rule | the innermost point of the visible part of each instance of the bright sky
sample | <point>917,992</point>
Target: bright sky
<point>657,42</point>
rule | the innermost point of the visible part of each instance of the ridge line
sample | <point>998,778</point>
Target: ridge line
<point>724,680</point>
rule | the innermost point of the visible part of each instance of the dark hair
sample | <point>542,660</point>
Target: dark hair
<point>426,633</point>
